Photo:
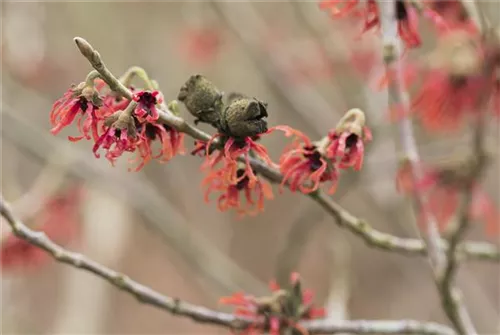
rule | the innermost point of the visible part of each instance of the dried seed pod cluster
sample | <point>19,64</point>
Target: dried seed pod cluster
<point>239,117</point>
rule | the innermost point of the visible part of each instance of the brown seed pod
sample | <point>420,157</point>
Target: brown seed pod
<point>244,117</point>
<point>202,99</point>
<point>234,96</point>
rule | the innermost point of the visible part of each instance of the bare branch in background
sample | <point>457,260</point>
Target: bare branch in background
<point>444,262</point>
<point>399,97</point>
<point>200,314</point>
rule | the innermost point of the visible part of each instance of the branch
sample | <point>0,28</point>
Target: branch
<point>443,262</point>
<point>452,297</point>
<point>142,293</point>
<point>344,219</point>
<point>376,327</point>
<point>399,97</point>
<point>201,314</point>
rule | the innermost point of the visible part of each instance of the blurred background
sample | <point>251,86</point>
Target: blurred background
<point>154,225</point>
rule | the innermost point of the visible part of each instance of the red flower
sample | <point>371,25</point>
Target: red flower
<point>443,101</point>
<point>347,142</point>
<point>146,105</point>
<point>336,10</point>
<point>442,190</point>
<point>283,309</point>
<point>59,219</point>
<point>78,101</point>
<point>230,197</point>
<point>118,138</point>
<point>302,162</point>
<point>201,45</point>
<point>232,150</point>
<point>172,143</point>
<point>450,10</point>
<point>406,15</point>
<point>306,296</point>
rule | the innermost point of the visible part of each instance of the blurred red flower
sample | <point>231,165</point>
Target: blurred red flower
<point>442,189</point>
<point>59,219</point>
<point>283,309</point>
<point>201,45</point>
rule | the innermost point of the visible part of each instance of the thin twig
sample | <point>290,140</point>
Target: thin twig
<point>201,314</point>
<point>399,97</point>
<point>344,219</point>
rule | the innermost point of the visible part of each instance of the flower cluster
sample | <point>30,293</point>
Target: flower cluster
<point>305,165</point>
<point>284,309</point>
<point>458,81</point>
<point>442,189</point>
<point>230,173</point>
<point>116,124</point>
<point>240,122</point>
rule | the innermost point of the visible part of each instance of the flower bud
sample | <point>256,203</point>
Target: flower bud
<point>202,99</point>
<point>353,122</point>
<point>122,121</point>
<point>244,117</point>
<point>89,92</point>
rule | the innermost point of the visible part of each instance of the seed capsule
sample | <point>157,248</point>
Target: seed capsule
<point>202,99</point>
<point>244,117</point>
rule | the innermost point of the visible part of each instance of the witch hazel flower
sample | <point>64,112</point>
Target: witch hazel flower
<point>348,139</point>
<point>368,11</point>
<point>283,309</point>
<point>303,166</point>
<point>171,143</point>
<point>453,84</point>
<point>231,194</point>
<point>81,101</point>
<point>119,137</point>
<point>242,124</point>
<point>146,105</point>
<point>442,188</point>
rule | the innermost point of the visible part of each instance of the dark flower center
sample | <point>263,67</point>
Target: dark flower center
<point>401,13</point>
<point>243,183</point>
<point>83,104</point>
<point>314,157</point>
<point>458,81</point>
<point>147,99</point>
<point>151,131</point>
<point>351,141</point>
<point>118,133</point>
